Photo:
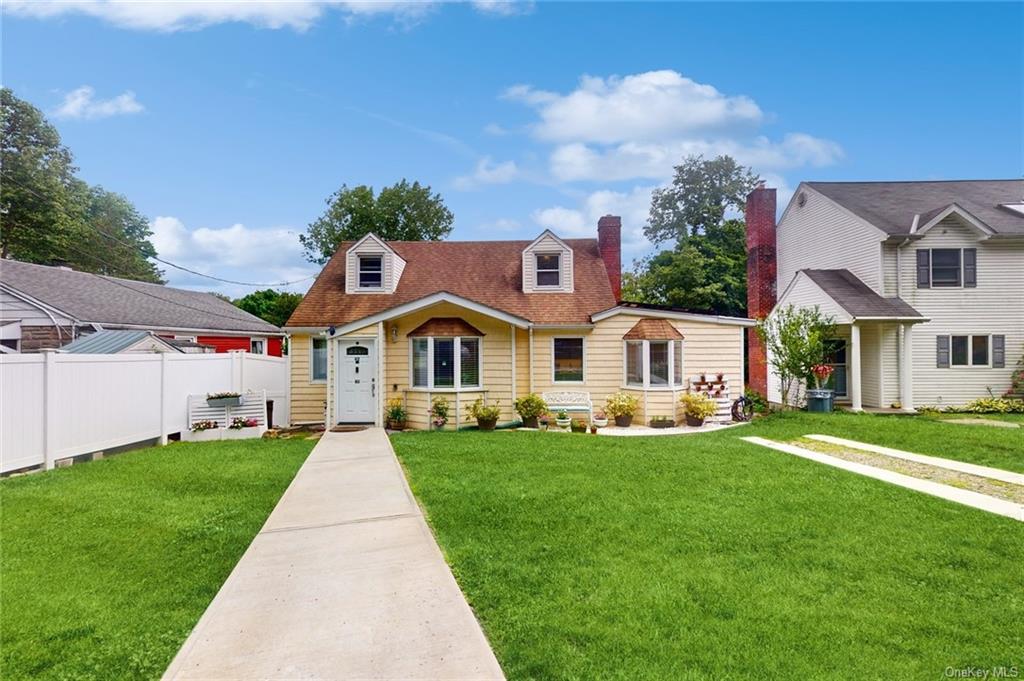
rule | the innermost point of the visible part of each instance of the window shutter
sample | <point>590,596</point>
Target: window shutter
<point>970,267</point>
<point>924,275</point>
<point>942,352</point>
<point>999,352</point>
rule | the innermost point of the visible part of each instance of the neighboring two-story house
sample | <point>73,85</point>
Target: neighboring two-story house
<point>492,319</point>
<point>924,279</point>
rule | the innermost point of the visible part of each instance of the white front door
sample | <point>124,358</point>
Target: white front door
<point>356,381</point>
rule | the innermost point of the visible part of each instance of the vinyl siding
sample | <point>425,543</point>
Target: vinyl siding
<point>805,293</point>
<point>547,244</point>
<point>821,235</point>
<point>308,399</point>
<point>14,308</point>
<point>996,306</point>
<point>392,265</point>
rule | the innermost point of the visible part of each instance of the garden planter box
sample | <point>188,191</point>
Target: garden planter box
<point>396,425</point>
<point>225,402</point>
<point>623,421</point>
<point>578,429</point>
<point>243,433</point>
<point>530,422</point>
<point>694,422</point>
<point>209,435</point>
<point>662,423</point>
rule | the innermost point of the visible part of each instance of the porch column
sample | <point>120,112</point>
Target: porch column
<point>855,367</point>
<point>907,370</point>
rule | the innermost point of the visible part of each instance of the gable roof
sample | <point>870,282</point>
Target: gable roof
<point>98,299</point>
<point>485,272</point>
<point>111,342</point>
<point>857,298</point>
<point>892,206</point>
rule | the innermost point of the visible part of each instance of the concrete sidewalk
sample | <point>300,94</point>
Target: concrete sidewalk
<point>344,581</point>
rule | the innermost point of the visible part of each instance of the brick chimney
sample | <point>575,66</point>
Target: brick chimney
<point>609,242</point>
<point>761,264</point>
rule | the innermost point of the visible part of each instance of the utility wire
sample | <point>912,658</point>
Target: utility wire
<point>161,260</point>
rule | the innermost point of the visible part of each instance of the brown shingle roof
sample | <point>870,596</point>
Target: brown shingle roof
<point>486,272</point>
<point>653,329</point>
<point>446,326</point>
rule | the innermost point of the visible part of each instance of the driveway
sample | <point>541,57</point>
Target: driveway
<point>344,581</point>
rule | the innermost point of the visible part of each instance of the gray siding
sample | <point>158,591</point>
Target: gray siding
<point>14,308</point>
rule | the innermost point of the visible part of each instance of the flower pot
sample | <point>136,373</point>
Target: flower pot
<point>563,423</point>
<point>661,423</point>
<point>624,421</point>
<point>225,402</point>
<point>593,430</point>
<point>486,424</point>
<point>437,427</point>
<point>396,425</point>
<point>600,423</point>
<point>693,421</point>
<point>578,429</point>
<point>530,422</point>
<point>543,425</point>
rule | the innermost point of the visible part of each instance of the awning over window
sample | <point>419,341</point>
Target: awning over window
<point>445,327</point>
<point>653,329</point>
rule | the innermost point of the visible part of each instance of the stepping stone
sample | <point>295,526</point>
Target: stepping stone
<point>983,422</point>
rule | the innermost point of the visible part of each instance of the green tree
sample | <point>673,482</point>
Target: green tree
<point>401,212</point>
<point>115,229</point>
<point>698,198</point>
<point>39,209</point>
<point>795,340</point>
<point>270,305</point>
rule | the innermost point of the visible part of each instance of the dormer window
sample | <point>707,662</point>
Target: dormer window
<point>549,269</point>
<point>371,271</point>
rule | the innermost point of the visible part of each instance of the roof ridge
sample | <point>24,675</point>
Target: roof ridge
<point>991,179</point>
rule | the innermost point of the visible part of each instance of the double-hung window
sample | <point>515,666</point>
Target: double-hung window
<point>549,268</point>
<point>654,363</point>
<point>446,363</point>
<point>947,267</point>
<point>567,360</point>
<point>371,271</point>
<point>974,350</point>
<point>318,360</point>
<point>969,351</point>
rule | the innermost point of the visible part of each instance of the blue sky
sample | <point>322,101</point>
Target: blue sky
<point>229,124</point>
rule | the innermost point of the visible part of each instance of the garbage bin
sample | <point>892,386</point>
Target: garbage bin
<point>819,400</point>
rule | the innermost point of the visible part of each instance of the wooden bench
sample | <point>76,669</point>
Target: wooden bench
<point>569,401</point>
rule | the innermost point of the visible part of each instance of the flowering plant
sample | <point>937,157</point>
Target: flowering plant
<point>821,373</point>
<point>439,411</point>
<point>240,422</point>
<point>200,426</point>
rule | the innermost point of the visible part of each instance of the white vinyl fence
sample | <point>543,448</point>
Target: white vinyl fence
<point>55,405</point>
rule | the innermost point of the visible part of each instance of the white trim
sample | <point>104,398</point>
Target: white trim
<point>560,270</point>
<point>312,380</point>
<point>669,314</point>
<point>555,381</point>
<point>954,209</point>
<point>970,350</point>
<point>547,232</point>
<point>359,272</point>
<point>457,361</point>
<point>427,301</point>
<point>375,394</point>
<point>38,303</point>
<point>645,365</point>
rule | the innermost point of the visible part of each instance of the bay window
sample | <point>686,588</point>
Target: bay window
<point>654,363</point>
<point>445,363</point>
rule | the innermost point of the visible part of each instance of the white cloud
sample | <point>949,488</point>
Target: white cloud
<point>488,172</point>
<point>177,15</point>
<point>259,255</point>
<point>82,103</point>
<point>500,225</point>
<point>632,206</point>
<point>495,129</point>
<point>503,8</point>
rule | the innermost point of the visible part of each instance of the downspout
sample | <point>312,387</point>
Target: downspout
<point>902,375</point>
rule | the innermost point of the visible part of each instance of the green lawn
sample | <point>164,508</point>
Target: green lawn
<point>707,557</point>
<point>1011,418</point>
<point>107,566</point>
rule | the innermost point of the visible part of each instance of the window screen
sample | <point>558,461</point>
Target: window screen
<point>419,362</point>
<point>568,359</point>
<point>469,357</point>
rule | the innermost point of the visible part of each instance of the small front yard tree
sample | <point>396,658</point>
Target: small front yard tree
<point>795,340</point>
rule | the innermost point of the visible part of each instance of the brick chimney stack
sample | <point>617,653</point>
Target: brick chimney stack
<point>609,242</point>
<point>761,268</point>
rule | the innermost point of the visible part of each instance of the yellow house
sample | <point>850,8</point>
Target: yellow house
<point>497,320</point>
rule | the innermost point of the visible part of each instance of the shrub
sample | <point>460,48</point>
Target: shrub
<point>531,406</point>
<point>439,410</point>
<point>395,409</point>
<point>698,406</point>
<point>994,405</point>
<point>481,411</point>
<point>621,404</point>
<point>795,341</point>
<point>756,399</point>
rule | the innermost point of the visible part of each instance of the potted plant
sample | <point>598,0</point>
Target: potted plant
<point>543,422</point>
<point>720,377</point>
<point>562,419</point>
<point>486,415</point>
<point>600,419</point>
<point>224,399</point>
<point>820,399</point>
<point>593,429</point>
<point>578,426</point>
<point>438,412</point>
<point>622,407</point>
<point>203,431</point>
<point>703,377</point>
<point>242,428</point>
<point>530,408</point>
<point>661,422</point>
<point>698,408</point>
<point>395,413</point>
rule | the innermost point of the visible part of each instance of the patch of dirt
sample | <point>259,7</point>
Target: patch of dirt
<point>982,422</point>
<point>994,488</point>
<point>348,429</point>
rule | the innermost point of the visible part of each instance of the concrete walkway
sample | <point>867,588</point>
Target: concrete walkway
<point>344,581</point>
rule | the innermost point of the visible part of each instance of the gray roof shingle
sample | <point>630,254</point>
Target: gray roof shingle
<point>94,298</point>
<point>891,206</point>
<point>857,298</point>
